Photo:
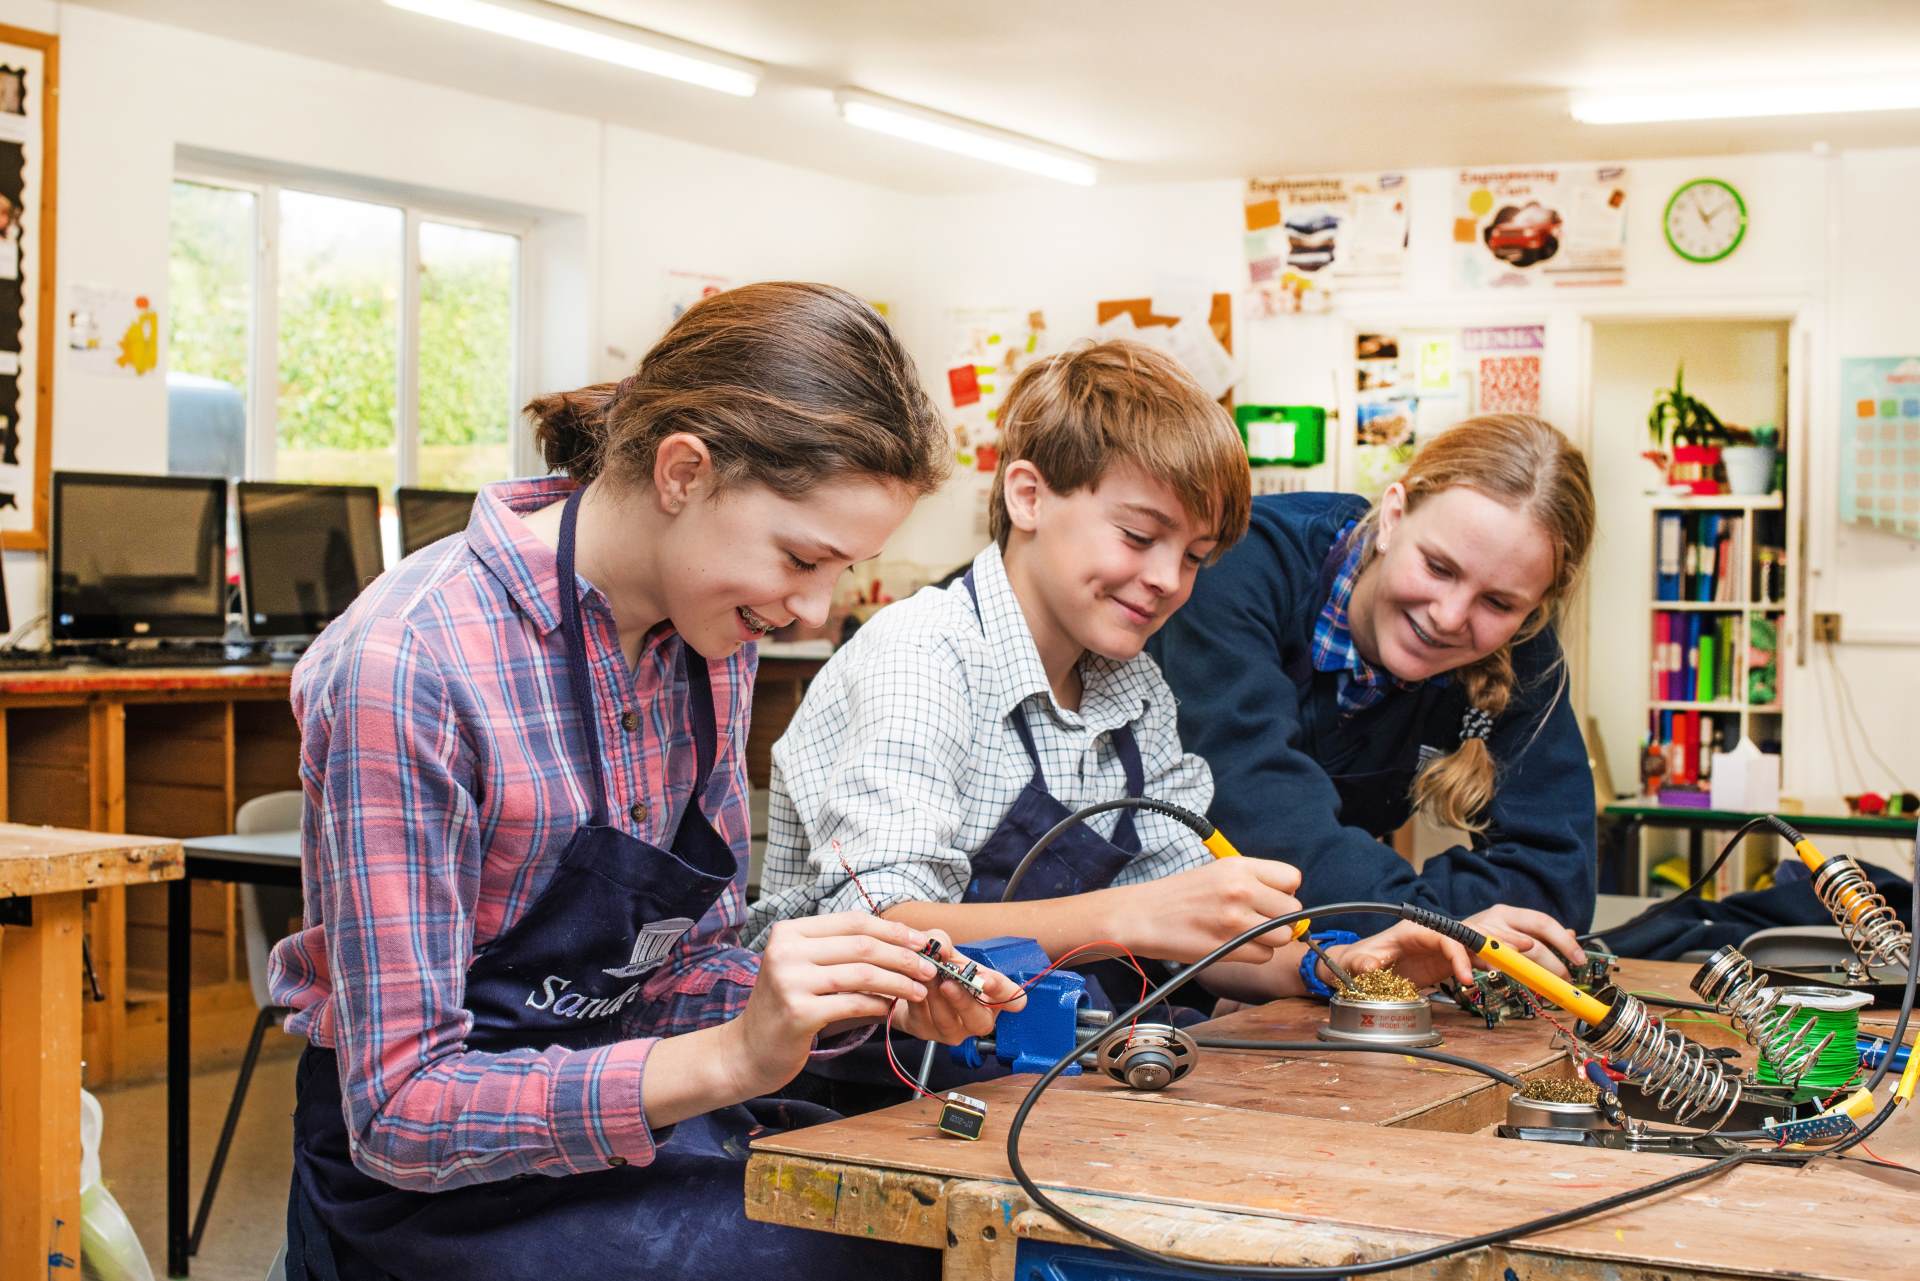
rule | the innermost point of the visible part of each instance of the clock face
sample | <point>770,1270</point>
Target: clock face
<point>1706,220</point>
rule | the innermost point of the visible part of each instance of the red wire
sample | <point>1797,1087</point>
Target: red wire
<point>894,1063</point>
<point>848,868</point>
<point>1883,1161</point>
<point>1541,1010</point>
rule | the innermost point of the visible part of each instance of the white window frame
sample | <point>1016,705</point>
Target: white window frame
<point>263,374</point>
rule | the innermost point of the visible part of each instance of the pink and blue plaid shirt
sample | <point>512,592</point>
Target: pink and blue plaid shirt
<point>440,757</point>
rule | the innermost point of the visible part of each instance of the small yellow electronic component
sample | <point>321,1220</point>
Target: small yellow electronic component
<point>961,1116</point>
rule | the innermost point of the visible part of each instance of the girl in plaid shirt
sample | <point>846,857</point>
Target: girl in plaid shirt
<point>522,752</point>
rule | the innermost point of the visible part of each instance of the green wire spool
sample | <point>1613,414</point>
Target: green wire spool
<point>1831,1013</point>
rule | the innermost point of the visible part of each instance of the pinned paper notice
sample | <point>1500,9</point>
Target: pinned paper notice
<point>1193,344</point>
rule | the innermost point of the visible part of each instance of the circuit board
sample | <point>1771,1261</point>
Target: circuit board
<point>967,975</point>
<point>1493,997</point>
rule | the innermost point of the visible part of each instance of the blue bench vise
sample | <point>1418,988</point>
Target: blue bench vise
<point>1058,1008</point>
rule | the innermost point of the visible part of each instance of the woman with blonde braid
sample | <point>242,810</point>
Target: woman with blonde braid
<point>1345,666</point>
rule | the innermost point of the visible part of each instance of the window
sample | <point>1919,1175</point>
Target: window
<point>467,306</point>
<point>210,340</point>
<point>299,352</point>
<point>337,407</point>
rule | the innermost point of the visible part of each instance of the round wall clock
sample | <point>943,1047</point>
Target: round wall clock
<point>1706,220</point>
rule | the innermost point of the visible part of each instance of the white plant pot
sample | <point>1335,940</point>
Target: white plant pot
<point>1749,468</point>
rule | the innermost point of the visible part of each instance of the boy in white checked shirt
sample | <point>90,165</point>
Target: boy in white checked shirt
<point>957,726</point>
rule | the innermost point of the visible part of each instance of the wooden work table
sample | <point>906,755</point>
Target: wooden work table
<point>43,873</point>
<point>1323,1159</point>
<point>173,752</point>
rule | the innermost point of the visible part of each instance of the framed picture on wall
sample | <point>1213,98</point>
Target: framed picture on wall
<point>29,100</point>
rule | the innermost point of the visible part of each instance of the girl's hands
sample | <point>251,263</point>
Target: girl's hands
<point>1416,953</point>
<point>821,972</point>
<point>1543,939</point>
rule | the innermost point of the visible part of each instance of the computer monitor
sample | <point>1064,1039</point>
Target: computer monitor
<point>137,557</point>
<point>429,515</point>
<point>305,553</point>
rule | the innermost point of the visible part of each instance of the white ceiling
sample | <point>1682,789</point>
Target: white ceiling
<point>1155,89</point>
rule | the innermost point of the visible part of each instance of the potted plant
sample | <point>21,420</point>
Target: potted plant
<point>1750,464</point>
<point>1694,433</point>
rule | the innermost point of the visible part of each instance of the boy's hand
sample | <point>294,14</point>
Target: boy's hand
<point>1523,929</point>
<point>1416,953</point>
<point>1180,918</point>
<point>950,1014</point>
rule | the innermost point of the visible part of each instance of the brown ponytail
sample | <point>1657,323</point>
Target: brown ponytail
<point>1527,464</point>
<point>571,426</point>
<point>787,384</point>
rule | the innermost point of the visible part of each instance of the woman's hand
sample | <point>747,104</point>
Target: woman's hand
<point>1414,952</point>
<point>1183,917</point>
<point>822,973</point>
<point>1521,928</point>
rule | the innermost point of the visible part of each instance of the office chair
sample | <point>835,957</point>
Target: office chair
<point>265,911</point>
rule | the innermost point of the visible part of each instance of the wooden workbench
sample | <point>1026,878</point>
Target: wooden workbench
<point>1327,1159</point>
<point>173,752</point>
<point>43,874</point>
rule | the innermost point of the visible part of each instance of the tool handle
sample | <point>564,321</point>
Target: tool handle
<point>1497,955</point>
<point>1219,845</point>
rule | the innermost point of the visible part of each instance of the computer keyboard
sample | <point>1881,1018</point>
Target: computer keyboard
<point>179,656</point>
<point>30,660</point>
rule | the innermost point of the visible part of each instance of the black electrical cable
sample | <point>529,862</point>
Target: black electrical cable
<point>1432,920</point>
<point>1199,826</point>
<point>1330,1047</point>
<point>1705,878</point>
<point>1180,979</point>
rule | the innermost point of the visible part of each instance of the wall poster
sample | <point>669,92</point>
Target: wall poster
<point>1880,443</point>
<point>29,68</point>
<point>1308,238</point>
<point>1507,367</point>
<point>1562,227</point>
<point>991,345</point>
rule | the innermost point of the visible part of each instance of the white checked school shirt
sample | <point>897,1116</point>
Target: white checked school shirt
<point>904,752</point>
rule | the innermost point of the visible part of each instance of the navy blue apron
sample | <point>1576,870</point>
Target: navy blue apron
<point>1078,861</point>
<point>615,907</point>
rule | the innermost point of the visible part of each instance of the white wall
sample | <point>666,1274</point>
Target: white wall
<point>615,207</point>
<point>1872,579</point>
<point>632,206</point>
<point>1818,243</point>
<point>1060,250</point>
<point>675,206</point>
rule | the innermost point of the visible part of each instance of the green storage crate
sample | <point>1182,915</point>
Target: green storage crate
<point>1283,435</point>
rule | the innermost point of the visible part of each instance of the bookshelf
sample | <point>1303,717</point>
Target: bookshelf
<point>1717,601</point>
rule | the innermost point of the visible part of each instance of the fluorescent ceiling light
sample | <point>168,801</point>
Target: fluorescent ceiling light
<point>949,133</point>
<point>1738,101</point>
<point>591,37</point>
